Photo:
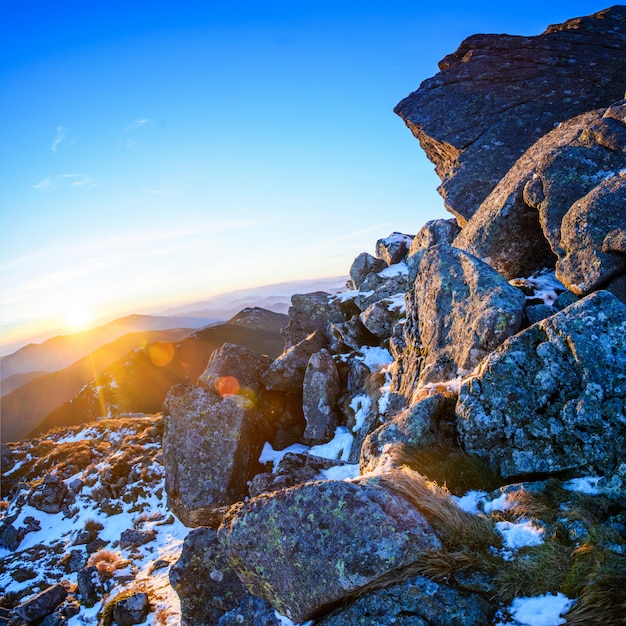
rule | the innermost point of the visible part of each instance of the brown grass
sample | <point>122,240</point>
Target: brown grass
<point>107,562</point>
<point>456,528</point>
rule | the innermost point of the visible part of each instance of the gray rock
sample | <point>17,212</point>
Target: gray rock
<point>498,94</point>
<point>310,312</point>
<point>564,192</point>
<point>465,311</point>
<point>286,373</point>
<point>415,602</point>
<point>89,585</point>
<point>593,235</point>
<point>424,423</point>
<point>211,447</point>
<point>380,286</point>
<point>251,610</point>
<point>50,495</point>
<point>353,334</point>
<point>553,397</point>
<point>131,537</point>
<point>431,234</point>
<point>204,581</point>
<point>363,265</point>
<point>320,394</point>
<point>131,610</point>
<point>394,248</point>
<point>381,316</point>
<point>44,603</point>
<point>308,547</point>
<point>293,469</point>
<point>233,362</point>
<point>10,537</point>
<point>537,312</point>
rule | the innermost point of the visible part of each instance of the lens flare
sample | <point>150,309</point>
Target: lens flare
<point>226,386</point>
<point>161,353</point>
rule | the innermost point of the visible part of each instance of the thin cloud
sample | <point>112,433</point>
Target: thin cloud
<point>73,180</point>
<point>47,184</point>
<point>59,138</point>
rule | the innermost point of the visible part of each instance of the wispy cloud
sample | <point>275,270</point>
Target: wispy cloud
<point>135,130</point>
<point>72,180</point>
<point>59,138</point>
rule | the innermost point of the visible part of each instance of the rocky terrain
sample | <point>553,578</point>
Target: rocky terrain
<point>442,443</point>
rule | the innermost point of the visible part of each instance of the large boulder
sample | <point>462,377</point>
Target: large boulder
<point>552,398</point>
<point>309,547</point>
<point>562,202</point>
<point>362,266</point>
<point>498,94</point>
<point>465,310</point>
<point>211,446</point>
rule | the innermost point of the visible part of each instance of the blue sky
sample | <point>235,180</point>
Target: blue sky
<point>162,152</point>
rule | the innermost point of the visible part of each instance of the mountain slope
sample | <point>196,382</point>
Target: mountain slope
<point>63,350</point>
<point>24,407</point>
<point>139,382</point>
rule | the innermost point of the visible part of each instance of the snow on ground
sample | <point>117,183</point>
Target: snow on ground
<point>478,502</point>
<point>584,484</point>
<point>397,269</point>
<point>543,610</point>
<point>520,534</point>
<point>41,556</point>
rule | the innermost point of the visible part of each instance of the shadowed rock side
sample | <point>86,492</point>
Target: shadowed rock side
<point>497,94</point>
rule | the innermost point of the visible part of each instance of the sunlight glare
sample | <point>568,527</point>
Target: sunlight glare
<point>77,317</point>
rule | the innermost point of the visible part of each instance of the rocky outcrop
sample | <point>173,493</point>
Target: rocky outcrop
<point>565,195</point>
<point>497,94</point>
<point>320,395</point>
<point>553,398</point>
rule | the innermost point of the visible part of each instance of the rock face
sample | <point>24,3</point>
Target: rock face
<point>308,547</point>
<point>553,398</point>
<point>497,94</point>
<point>465,310</point>
<point>565,194</point>
<point>417,601</point>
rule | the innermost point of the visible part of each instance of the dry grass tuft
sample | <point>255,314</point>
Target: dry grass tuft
<point>456,528</point>
<point>458,471</point>
<point>602,601</point>
<point>107,562</point>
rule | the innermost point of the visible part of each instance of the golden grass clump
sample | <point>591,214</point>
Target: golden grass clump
<point>456,528</point>
<point>107,562</point>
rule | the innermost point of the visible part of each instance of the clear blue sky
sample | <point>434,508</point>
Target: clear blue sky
<point>161,152</point>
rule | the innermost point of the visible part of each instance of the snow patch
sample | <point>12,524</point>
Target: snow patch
<point>338,448</point>
<point>584,484</point>
<point>398,269</point>
<point>543,610</point>
<point>520,534</point>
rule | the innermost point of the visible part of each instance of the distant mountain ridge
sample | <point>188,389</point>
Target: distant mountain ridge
<point>61,351</point>
<point>24,407</point>
<point>138,383</point>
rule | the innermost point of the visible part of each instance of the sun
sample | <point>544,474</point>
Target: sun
<point>77,317</point>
